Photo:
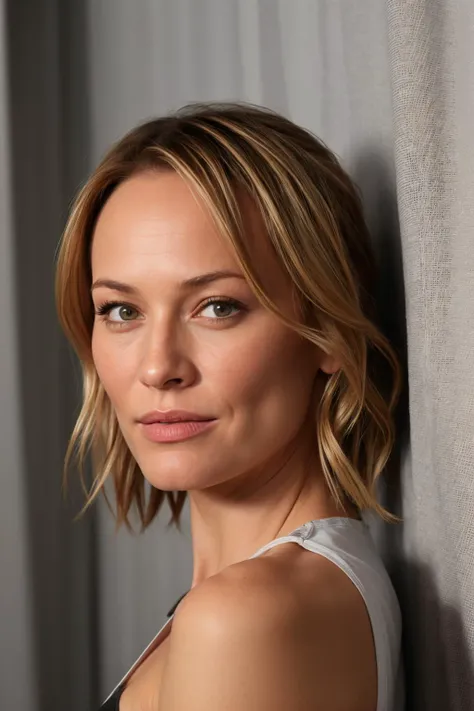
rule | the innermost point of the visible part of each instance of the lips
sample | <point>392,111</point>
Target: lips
<point>177,430</point>
<point>170,416</point>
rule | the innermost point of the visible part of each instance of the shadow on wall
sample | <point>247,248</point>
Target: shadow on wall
<point>375,177</point>
<point>430,626</point>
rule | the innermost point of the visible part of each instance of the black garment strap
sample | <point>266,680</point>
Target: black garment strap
<point>176,605</point>
<point>112,704</point>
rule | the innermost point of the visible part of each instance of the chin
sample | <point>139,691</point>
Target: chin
<point>175,470</point>
<point>175,482</point>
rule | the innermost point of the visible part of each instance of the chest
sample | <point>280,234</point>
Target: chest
<point>142,691</point>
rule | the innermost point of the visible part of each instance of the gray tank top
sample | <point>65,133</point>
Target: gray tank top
<point>348,544</point>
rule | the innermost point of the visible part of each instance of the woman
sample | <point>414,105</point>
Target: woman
<point>215,279</point>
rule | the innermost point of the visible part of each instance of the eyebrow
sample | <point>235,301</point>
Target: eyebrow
<point>193,282</point>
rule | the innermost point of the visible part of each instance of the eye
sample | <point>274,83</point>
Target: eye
<point>221,308</point>
<point>124,310</point>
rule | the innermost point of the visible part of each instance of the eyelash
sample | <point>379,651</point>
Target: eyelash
<point>104,309</point>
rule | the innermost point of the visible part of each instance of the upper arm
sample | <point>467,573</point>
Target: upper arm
<point>248,648</point>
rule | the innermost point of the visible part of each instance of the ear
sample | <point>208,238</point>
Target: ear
<point>329,364</point>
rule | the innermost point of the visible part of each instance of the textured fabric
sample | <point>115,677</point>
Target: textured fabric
<point>431,55</point>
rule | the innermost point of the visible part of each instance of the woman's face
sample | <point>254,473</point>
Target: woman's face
<point>163,346</point>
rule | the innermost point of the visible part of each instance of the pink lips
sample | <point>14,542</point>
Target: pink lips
<point>174,425</point>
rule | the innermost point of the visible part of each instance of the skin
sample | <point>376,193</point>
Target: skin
<point>255,475</point>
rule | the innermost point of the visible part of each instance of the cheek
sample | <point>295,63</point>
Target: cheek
<point>271,376</point>
<point>112,368</point>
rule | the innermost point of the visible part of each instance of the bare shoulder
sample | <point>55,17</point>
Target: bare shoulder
<point>280,631</point>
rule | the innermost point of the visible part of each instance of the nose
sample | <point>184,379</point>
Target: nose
<point>166,361</point>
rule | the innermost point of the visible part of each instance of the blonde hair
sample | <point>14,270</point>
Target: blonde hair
<point>314,220</point>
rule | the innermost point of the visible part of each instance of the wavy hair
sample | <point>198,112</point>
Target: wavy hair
<point>313,216</point>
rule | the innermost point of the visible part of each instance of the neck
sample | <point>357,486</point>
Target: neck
<point>231,521</point>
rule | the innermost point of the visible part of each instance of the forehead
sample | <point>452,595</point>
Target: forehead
<point>155,223</point>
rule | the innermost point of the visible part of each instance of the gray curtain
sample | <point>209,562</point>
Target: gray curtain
<point>389,86</point>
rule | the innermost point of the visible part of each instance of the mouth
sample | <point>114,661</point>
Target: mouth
<point>166,431</point>
<point>174,422</point>
<point>172,416</point>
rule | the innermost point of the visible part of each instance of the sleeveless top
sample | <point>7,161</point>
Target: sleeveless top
<point>349,545</point>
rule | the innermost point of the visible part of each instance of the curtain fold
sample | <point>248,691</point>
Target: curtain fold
<point>50,659</point>
<point>431,53</point>
<point>16,597</point>
<point>389,87</point>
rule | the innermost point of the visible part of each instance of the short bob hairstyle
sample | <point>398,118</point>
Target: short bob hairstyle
<point>314,220</point>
